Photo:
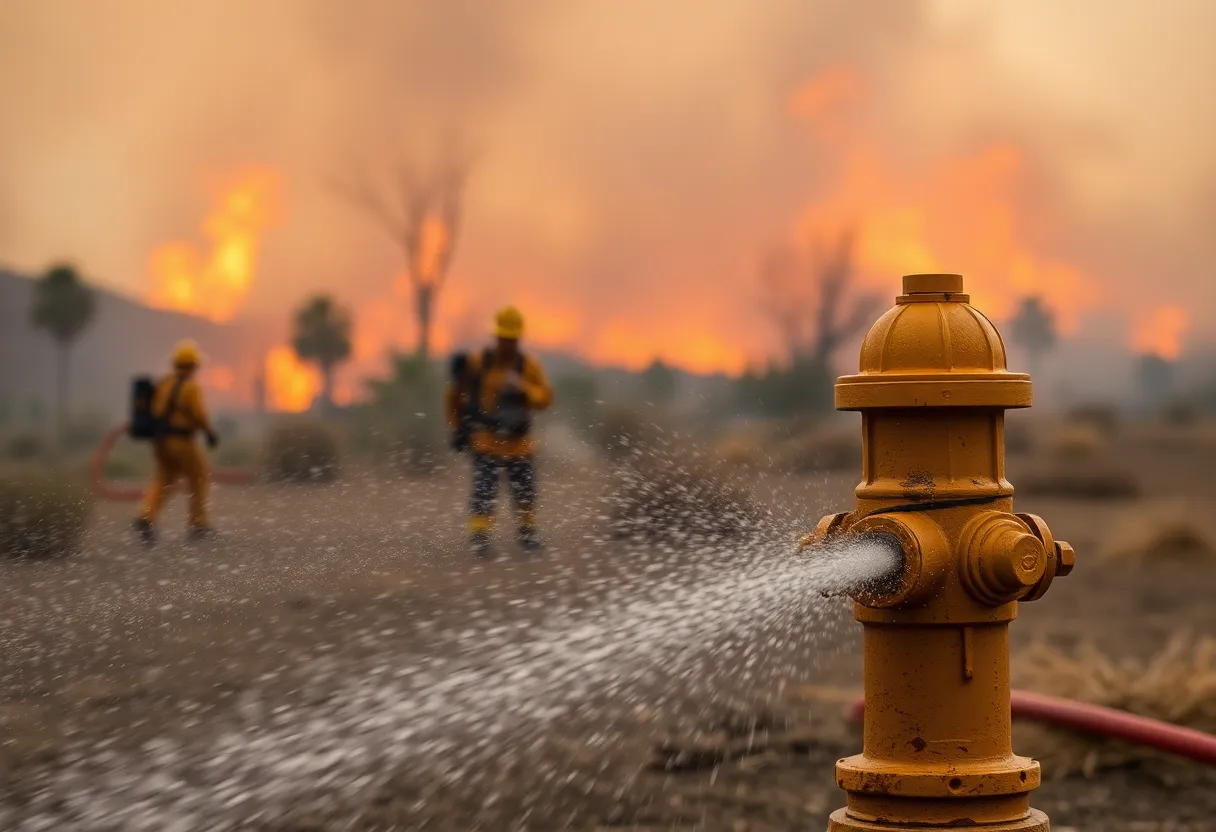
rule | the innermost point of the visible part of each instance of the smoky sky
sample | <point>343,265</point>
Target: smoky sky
<point>633,160</point>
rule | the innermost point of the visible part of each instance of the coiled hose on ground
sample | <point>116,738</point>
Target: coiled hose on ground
<point>1097,719</point>
<point>117,492</point>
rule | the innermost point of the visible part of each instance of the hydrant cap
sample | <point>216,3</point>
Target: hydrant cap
<point>933,349</point>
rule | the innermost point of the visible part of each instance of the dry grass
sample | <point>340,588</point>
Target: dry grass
<point>741,449</point>
<point>1178,685</point>
<point>1162,529</point>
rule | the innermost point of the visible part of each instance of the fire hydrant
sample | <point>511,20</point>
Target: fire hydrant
<point>932,390</point>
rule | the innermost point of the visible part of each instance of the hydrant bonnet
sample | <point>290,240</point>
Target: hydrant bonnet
<point>933,349</point>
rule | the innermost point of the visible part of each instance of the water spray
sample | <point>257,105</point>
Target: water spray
<point>937,753</point>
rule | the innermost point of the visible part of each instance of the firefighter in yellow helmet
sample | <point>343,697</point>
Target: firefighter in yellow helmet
<point>180,415</point>
<point>490,401</point>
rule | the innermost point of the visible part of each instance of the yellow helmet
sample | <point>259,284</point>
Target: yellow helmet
<point>187,354</point>
<point>509,323</point>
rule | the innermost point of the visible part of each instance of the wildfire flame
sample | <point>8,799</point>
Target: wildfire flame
<point>432,249</point>
<point>967,214</point>
<point>1160,332</point>
<point>291,385</point>
<point>214,282</point>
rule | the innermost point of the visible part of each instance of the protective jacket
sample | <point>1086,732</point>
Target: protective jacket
<point>179,403</point>
<point>485,375</point>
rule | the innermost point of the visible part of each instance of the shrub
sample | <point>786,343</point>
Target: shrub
<point>622,433</point>
<point>1180,413</point>
<point>41,516</point>
<point>575,400</point>
<point>1077,441</point>
<point>403,419</point>
<point>821,450</point>
<point>235,455</point>
<point>121,468</point>
<point>1019,437</point>
<point>678,499</point>
<point>1086,482</point>
<point>1102,417</point>
<point>23,447</point>
<point>301,450</point>
<point>1162,530</point>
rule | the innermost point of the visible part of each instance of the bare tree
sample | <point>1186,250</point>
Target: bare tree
<point>810,297</point>
<point>422,214</point>
<point>1034,328</point>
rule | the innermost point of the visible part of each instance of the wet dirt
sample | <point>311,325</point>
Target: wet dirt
<point>295,674</point>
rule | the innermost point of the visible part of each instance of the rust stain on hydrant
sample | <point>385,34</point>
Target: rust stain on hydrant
<point>932,391</point>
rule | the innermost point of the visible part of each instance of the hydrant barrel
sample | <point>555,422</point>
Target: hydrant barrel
<point>932,388</point>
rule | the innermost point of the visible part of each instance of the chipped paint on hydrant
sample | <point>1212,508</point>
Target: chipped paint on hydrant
<point>932,390</point>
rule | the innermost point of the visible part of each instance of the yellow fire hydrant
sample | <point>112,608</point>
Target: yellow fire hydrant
<point>932,391</point>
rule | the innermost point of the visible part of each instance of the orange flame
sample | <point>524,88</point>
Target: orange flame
<point>433,247</point>
<point>214,284</point>
<point>968,214</point>
<point>1160,332</point>
<point>291,385</point>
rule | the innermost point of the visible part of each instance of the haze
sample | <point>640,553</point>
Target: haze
<point>635,161</point>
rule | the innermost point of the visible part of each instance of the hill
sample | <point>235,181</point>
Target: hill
<point>125,339</point>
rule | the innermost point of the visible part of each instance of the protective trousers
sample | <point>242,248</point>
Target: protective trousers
<point>521,480</point>
<point>178,457</point>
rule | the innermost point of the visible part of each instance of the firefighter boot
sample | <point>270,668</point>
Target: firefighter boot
<point>144,530</point>
<point>198,534</point>
<point>479,544</point>
<point>529,539</point>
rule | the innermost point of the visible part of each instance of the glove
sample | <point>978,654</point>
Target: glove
<point>213,441</point>
<point>512,381</point>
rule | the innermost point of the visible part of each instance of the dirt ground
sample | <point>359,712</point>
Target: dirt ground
<point>336,661</point>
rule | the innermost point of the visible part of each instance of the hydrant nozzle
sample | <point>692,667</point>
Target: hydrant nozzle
<point>932,390</point>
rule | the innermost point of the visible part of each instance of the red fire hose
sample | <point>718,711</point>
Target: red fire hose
<point>112,491</point>
<point>1096,719</point>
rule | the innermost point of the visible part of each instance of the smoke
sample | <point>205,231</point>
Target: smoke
<point>634,160</point>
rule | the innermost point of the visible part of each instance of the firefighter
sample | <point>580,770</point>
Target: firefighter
<point>491,399</point>
<point>180,415</point>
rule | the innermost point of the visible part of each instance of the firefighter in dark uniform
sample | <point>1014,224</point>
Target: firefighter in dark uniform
<point>490,401</point>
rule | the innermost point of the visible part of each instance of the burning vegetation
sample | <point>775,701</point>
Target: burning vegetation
<point>214,281</point>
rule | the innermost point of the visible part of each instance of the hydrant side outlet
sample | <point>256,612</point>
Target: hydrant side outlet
<point>932,389</point>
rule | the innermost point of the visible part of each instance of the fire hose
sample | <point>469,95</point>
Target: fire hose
<point>1097,719</point>
<point>116,492</point>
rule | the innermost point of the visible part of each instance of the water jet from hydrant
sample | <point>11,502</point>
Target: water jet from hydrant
<point>497,690</point>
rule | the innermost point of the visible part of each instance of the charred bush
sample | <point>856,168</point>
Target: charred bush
<point>41,516</point>
<point>301,450</point>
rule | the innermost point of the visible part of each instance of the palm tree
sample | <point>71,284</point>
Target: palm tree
<point>64,306</point>
<point>323,336</point>
<point>1034,328</point>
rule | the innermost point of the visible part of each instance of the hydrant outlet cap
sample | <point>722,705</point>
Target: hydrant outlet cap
<point>917,284</point>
